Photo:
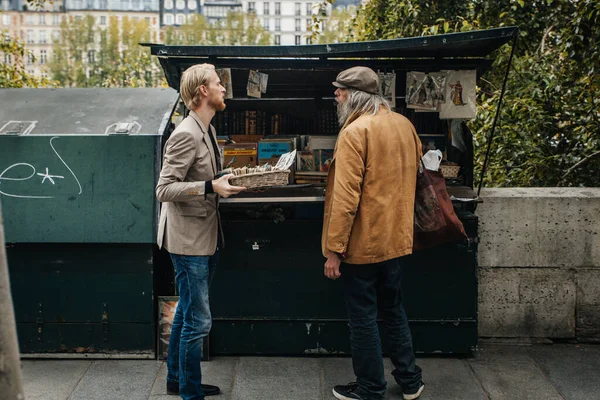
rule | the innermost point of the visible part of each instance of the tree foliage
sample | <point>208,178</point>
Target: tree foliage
<point>549,127</point>
<point>13,71</point>
<point>237,29</point>
<point>85,55</point>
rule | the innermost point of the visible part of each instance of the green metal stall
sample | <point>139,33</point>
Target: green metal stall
<point>77,175</point>
<point>269,295</point>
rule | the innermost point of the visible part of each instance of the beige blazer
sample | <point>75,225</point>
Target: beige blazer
<point>189,221</point>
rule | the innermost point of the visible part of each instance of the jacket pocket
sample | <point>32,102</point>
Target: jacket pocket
<point>188,211</point>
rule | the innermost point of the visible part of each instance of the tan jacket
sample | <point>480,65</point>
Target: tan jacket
<point>189,222</point>
<point>370,195</point>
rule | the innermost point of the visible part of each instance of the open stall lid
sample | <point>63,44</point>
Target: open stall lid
<point>287,65</point>
<point>460,50</point>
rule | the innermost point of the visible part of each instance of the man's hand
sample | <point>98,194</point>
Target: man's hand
<point>332,266</point>
<point>223,188</point>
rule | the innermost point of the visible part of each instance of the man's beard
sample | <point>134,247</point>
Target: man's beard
<point>217,104</point>
<point>342,112</point>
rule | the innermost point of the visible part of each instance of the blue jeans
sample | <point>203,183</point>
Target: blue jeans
<point>365,288</point>
<point>191,323</point>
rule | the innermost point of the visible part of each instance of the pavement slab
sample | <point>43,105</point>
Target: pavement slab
<point>277,378</point>
<point>497,372</point>
<point>117,380</point>
<point>573,369</point>
<point>445,378</point>
<point>52,379</point>
<point>219,371</point>
<point>508,373</point>
<point>335,371</point>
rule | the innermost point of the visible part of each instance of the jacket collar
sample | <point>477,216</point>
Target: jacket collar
<point>205,132</point>
<point>199,121</point>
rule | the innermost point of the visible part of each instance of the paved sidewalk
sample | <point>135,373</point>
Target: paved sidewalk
<point>497,372</point>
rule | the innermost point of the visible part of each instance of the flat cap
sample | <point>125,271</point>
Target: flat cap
<point>361,78</point>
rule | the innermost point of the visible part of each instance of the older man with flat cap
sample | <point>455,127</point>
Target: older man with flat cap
<point>368,231</point>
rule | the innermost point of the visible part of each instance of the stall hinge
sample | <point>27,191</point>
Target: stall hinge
<point>105,321</point>
<point>123,128</point>
<point>40,323</point>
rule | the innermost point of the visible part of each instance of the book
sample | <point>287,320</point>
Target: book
<point>239,155</point>
<point>323,159</point>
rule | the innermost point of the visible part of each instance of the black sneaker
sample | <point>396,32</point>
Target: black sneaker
<point>209,390</point>
<point>352,391</point>
<point>413,394</point>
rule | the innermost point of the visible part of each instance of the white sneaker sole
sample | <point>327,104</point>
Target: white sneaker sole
<point>413,395</point>
<point>341,396</point>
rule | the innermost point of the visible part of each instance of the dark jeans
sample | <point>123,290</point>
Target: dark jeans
<point>191,323</point>
<point>367,287</point>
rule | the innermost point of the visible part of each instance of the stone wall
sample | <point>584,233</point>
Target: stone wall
<point>539,263</point>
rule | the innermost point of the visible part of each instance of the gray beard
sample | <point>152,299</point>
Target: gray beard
<point>342,112</point>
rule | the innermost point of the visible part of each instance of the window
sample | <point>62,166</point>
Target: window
<point>168,4</point>
<point>278,8</point>
<point>168,19</point>
<point>104,4</point>
<point>298,27</point>
<point>266,8</point>
<point>147,19</point>
<point>297,39</point>
<point>44,75</point>
<point>56,19</point>
<point>30,58</point>
<point>7,59</point>
<point>179,19</point>
<point>30,38</point>
<point>6,20</point>
<point>43,57</point>
<point>180,4</point>
<point>29,19</point>
<point>43,37</point>
<point>42,19</point>
<point>135,4</point>
<point>266,24</point>
<point>277,40</point>
<point>277,24</point>
<point>102,20</point>
<point>251,7</point>
<point>309,22</point>
<point>55,35</point>
<point>308,8</point>
<point>91,56</point>
<point>298,7</point>
<point>192,4</point>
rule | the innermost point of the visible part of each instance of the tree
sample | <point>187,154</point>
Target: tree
<point>549,127</point>
<point>13,72</point>
<point>337,27</point>
<point>85,55</point>
<point>237,29</point>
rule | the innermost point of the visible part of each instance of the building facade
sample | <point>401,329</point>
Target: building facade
<point>37,28</point>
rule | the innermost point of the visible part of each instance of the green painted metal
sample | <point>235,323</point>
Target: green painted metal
<point>276,297</point>
<point>90,189</point>
<point>83,297</point>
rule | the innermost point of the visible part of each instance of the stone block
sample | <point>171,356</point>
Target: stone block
<point>517,302</point>
<point>588,305</point>
<point>539,227</point>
